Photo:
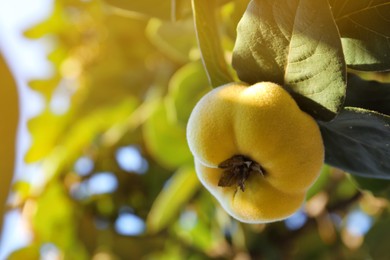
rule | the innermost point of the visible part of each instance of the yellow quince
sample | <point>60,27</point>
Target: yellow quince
<point>255,150</point>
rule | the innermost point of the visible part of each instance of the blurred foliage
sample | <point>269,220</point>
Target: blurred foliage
<point>116,175</point>
<point>9,118</point>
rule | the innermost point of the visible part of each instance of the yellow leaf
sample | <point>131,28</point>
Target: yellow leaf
<point>9,118</point>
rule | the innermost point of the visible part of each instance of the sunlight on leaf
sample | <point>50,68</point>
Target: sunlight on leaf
<point>295,44</point>
<point>81,133</point>
<point>365,30</point>
<point>44,141</point>
<point>53,217</point>
<point>209,42</point>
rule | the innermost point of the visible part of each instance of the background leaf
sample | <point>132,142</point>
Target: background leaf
<point>44,142</point>
<point>179,189</point>
<point>368,94</point>
<point>365,30</point>
<point>209,42</point>
<point>30,252</point>
<point>78,136</point>
<point>358,141</point>
<point>165,139</point>
<point>186,87</point>
<point>377,238</point>
<point>378,187</point>
<point>175,39</point>
<point>9,119</point>
<point>295,44</point>
<point>320,182</point>
<point>160,9</point>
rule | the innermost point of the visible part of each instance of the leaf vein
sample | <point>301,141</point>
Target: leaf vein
<point>368,29</point>
<point>381,16</point>
<point>347,15</point>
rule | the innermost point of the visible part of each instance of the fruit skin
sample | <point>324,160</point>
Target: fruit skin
<point>264,123</point>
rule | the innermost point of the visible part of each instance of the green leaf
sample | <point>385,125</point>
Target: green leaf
<point>231,14</point>
<point>377,239</point>
<point>358,141</point>
<point>186,87</point>
<point>179,190</point>
<point>365,30</point>
<point>371,95</point>
<point>295,44</point>
<point>378,187</point>
<point>165,139</point>
<point>53,219</point>
<point>209,42</point>
<point>320,183</point>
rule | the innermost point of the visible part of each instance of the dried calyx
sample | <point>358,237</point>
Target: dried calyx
<point>237,170</point>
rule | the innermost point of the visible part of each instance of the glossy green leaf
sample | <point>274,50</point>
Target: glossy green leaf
<point>358,141</point>
<point>209,42</point>
<point>9,120</point>
<point>364,26</point>
<point>371,95</point>
<point>295,44</point>
<point>178,191</point>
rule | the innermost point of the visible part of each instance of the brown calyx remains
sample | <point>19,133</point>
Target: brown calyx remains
<point>237,170</point>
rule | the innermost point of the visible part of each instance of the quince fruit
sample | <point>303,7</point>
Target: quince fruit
<point>255,150</point>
